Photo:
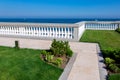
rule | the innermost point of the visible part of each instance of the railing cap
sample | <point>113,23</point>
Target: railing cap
<point>39,24</point>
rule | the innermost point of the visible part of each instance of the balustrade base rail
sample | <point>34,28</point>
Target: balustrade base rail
<point>35,37</point>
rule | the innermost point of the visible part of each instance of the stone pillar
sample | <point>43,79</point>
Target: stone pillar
<point>53,32</point>
<point>59,32</point>
<point>112,26</point>
<point>9,29</point>
<point>12,30</point>
<point>38,31</point>
<point>65,33</point>
<point>0,29</point>
<point>49,31</point>
<point>3,29</point>
<point>24,30</point>
<point>41,31</point>
<point>56,32</point>
<point>68,33</point>
<point>71,33</point>
<point>75,34</point>
<point>118,25</point>
<point>29,30</point>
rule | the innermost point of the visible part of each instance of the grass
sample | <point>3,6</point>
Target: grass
<point>106,39</point>
<point>25,64</point>
<point>114,77</point>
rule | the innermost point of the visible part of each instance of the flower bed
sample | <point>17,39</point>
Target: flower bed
<point>58,55</point>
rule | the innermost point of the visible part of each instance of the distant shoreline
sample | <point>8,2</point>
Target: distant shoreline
<point>55,20</point>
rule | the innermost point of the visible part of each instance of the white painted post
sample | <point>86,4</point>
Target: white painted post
<point>68,33</point>
<point>62,32</point>
<point>50,32</point>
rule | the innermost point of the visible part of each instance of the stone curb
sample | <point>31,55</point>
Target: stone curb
<point>65,74</point>
<point>102,66</point>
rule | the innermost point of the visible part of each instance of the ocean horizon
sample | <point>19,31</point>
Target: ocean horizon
<point>55,20</point>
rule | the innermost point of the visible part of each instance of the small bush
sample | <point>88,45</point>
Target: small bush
<point>43,52</point>
<point>17,45</point>
<point>114,54</point>
<point>109,60</point>
<point>49,58</point>
<point>117,55</point>
<point>60,48</point>
<point>58,62</point>
<point>114,68</point>
<point>108,53</point>
<point>69,53</point>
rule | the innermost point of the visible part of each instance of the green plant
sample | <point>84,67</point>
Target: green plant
<point>17,45</point>
<point>109,60</point>
<point>117,55</point>
<point>43,52</point>
<point>108,53</point>
<point>114,77</point>
<point>113,54</point>
<point>114,68</point>
<point>69,52</point>
<point>49,57</point>
<point>58,62</point>
<point>59,48</point>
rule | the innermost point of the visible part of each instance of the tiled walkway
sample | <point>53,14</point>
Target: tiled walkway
<point>85,66</point>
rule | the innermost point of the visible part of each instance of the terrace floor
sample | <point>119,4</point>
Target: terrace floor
<point>85,66</point>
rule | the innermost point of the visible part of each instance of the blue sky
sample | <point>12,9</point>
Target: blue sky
<point>60,8</point>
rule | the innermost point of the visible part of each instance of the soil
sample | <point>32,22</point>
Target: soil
<point>65,61</point>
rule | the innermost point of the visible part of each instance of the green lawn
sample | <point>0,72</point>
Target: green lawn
<point>25,64</point>
<point>106,39</point>
<point>114,77</point>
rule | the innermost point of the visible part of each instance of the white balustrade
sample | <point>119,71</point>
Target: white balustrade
<point>101,26</point>
<point>52,31</point>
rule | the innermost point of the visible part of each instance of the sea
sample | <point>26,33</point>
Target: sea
<point>55,20</point>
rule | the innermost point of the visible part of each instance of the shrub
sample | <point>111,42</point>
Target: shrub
<point>59,48</point>
<point>43,52</point>
<point>114,68</point>
<point>117,55</point>
<point>58,62</point>
<point>114,54</point>
<point>69,52</point>
<point>47,56</point>
<point>17,45</point>
<point>109,60</point>
<point>107,53</point>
